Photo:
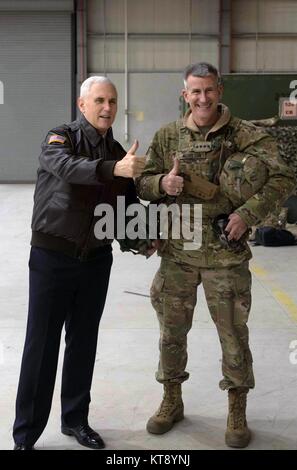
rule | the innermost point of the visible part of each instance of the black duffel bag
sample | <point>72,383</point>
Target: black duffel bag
<point>271,236</point>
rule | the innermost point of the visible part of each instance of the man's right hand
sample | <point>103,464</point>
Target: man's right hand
<point>130,166</point>
<point>173,184</point>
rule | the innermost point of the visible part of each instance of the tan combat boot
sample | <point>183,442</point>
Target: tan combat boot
<point>170,411</point>
<point>237,433</point>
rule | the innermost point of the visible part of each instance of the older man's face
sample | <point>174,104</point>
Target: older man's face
<point>203,95</point>
<point>99,106</point>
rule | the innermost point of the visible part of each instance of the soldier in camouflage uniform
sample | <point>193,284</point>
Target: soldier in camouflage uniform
<point>230,167</point>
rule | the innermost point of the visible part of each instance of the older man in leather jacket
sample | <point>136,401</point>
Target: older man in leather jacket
<point>81,166</point>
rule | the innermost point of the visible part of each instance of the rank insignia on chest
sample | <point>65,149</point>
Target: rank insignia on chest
<point>202,147</point>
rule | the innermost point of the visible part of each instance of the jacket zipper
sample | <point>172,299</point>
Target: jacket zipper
<point>84,250</point>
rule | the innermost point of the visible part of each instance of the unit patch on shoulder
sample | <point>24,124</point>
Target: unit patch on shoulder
<point>59,139</point>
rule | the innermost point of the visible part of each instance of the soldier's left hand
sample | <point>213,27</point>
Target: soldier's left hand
<point>236,227</point>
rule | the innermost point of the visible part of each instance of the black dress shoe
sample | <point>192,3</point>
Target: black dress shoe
<point>23,447</point>
<point>85,436</point>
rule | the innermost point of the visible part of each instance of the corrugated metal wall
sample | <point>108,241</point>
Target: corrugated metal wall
<point>165,35</point>
<point>35,69</point>
<point>264,36</point>
<point>153,101</point>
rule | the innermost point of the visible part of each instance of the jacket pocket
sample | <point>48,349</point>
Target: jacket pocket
<point>66,220</point>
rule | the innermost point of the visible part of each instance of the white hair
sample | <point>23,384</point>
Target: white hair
<point>86,85</point>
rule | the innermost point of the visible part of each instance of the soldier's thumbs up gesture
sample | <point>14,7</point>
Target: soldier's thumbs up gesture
<point>172,184</point>
<point>130,166</point>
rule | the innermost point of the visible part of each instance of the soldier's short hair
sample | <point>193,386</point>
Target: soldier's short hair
<point>201,69</point>
<point>86,85</point>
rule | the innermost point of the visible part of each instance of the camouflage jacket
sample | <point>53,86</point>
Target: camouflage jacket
<point>234,154</point>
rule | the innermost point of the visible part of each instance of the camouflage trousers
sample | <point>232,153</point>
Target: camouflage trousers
<point>228,295</point>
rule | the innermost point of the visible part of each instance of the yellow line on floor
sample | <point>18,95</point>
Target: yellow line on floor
<point>280,295</point>
<point>285,300</point>
<point>258,271</point>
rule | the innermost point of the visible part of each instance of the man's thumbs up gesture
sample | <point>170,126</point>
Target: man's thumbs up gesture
<point>173,184</point>
<point>130,166</point>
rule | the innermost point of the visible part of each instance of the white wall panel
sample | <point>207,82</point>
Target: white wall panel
<point>141,54</point>
<point>150,52</point>
<point>271,22</point>
<point>150,55</point>
<point>159,54</point>
<point>278,16</point>
<point>155,16</point>
<point>205,51</point>
<point>271,55</point>
<point>274,16</point>
<point>114,15</point>
<point>205,16</point>
<point>159,47</point>
<point>244,16</point>
<point>166,16</point>
<point>153,102</point>
<point>244,57</point>
<point>112,55</point>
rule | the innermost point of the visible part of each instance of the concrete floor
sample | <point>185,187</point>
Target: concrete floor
<point>125,392</point>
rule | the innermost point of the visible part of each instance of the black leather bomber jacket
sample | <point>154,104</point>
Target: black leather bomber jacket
<point>75,175</point>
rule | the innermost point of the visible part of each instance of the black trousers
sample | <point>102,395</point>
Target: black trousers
<point>68,291</point>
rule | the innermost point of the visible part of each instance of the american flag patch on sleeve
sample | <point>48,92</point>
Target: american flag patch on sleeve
<point>56,138</point>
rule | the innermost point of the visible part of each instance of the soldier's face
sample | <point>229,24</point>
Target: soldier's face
<point>203,95</point>
<point>99,106</point>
